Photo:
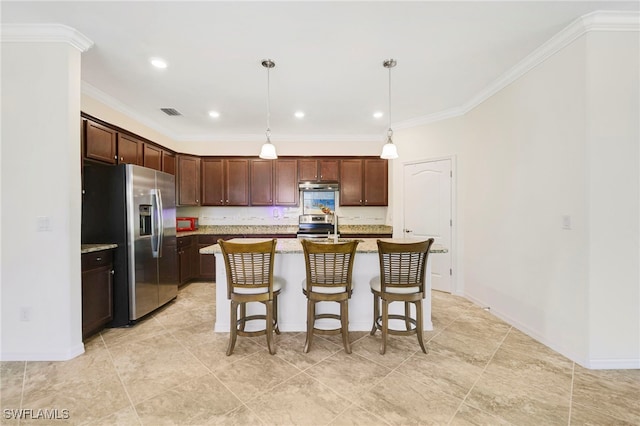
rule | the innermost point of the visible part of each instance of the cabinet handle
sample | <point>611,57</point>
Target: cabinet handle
<point>121,158</point>
<point>115,157</point>
<point>113,272</point>
<point>197,201</point>
<point>98,259</point>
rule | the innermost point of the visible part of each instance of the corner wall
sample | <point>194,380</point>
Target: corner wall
<point>41,278</point>
<point>530,156</point>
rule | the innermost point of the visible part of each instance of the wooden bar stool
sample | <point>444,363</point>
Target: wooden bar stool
<point>402,279</point>
<point>249,269</point>
<point>329,270</point>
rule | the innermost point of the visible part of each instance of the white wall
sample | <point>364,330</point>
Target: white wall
<point>41,178</point>
<point>613,138</point>
<point>525,158</point>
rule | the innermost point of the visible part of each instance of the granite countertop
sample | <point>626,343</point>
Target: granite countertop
<point>280,229</point>
<point>89,248</point>
<point>293,245</point>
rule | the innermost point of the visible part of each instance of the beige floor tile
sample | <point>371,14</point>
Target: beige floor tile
<point>282,404</point>
<point>144,329</point>
<point>592,416</point>
<point>399,401</point>
<point>399,349</point>
<point>464,348</point>
<point>156,364</point>
<point>292,350</point>
<point>470,416</point>
<point>11,379</point>
<point>518,403</point>
<point>125,417</point>
<point>257,373</point>
<point>198,401</point>
<point>545,371</point>
<point>479,325</point>
<point>348,375</point>
<point>612,392</point>
<point>356,416</point>
<point>241,416</point>
<point>439,372</point>
<point>516,340</point>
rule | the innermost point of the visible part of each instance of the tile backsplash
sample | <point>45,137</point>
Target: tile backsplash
<point>278,215</point>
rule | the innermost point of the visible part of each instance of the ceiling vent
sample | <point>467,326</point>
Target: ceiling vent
<point>170,111</point>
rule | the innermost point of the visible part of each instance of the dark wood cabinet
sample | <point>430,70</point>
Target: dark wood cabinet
<point>364,182</point>
<point>188,180</point>
<point>207,264</point>
<point>261,182</point>
<point>188,258</point>
<point>225,182</point>
<point>130,150</point>
<point>286,191</point>
<point>97,291</point>
<point>152,157</point>
<point>319,170</point>
<point>169,162</point>
<point>100,142</point>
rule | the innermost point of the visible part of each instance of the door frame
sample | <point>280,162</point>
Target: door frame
<point>455,281</point>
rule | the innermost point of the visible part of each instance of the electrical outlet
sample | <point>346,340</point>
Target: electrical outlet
<point>566,222</point>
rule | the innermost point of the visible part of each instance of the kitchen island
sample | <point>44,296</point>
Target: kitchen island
<point>289,265</point>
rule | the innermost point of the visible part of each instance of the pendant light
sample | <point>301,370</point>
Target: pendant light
<point>268,150</point>
<point>389,150</point>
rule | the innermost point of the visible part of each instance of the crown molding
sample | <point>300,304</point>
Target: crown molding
<point>45,33</point>
<point>594,21</point>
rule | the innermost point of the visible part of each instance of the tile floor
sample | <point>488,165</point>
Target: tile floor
<point>172,369</point>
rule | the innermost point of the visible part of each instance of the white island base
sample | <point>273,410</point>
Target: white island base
<point>289,266</point>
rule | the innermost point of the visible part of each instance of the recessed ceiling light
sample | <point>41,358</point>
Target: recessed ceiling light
<point>299,114</point>
<point>214,114</point>
<point>378,114</point>
<point>158,63</point>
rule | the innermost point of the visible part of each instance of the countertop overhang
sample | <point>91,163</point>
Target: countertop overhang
<point>293,245</point>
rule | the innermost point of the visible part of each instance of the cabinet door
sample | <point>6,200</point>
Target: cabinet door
<point>212,182</point>
<point>188,180</point>
<point>237,182</point>
<point>328,170</point>
<point>307,170</point>
<point>351,182</point>
<point>168,162</point>
<point>185,265</point>
<point>129,150</point>
<point>286,183</point>
<point>100,143</point>
<point>152,157</point>
<point>207,261</point>
<point>375,182</point>
<point>97,291</point>
<point>261,182</point>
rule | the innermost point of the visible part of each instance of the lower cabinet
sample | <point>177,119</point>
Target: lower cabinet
<point>187,258</point>
<point>97,291</point>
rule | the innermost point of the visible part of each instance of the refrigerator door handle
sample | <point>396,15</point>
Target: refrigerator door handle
<point>160,222</point>
<point>155,223</point>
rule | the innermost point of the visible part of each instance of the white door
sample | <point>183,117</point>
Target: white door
<point>427,213</point>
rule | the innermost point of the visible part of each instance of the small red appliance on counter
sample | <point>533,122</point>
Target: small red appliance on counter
<point>186,224</point>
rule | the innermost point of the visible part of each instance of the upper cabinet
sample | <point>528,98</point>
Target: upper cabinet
<point>130,150</point>
<point>286,191</point>
<point>188,180</point>
<point>168,162</point>
<point>261,182</point>
<point>319,170</point>
<point>225,181</point>
<point>364,182</point>
<point>100,142</point>
<point>152,157</point>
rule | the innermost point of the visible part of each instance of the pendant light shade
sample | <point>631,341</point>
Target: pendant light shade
<point>268,150</point>
<point>389,150</point>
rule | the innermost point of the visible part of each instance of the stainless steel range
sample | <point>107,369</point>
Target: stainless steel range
<point>317,225</point>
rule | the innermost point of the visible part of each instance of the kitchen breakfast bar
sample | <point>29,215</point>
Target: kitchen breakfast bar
<point>289,266</point>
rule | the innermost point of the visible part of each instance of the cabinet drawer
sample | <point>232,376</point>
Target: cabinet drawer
<point>183,242</point>
<point>96,259</point>
<point>207,239</point>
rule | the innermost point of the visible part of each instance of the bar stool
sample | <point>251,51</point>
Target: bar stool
<point>329,269</point>
<point>402,279</point>
<point>250,278</point>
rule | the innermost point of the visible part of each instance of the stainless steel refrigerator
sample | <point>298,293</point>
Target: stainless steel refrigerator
<point>134,207</point>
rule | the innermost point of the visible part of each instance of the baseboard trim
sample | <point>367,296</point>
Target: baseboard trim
<point>44,356</point>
